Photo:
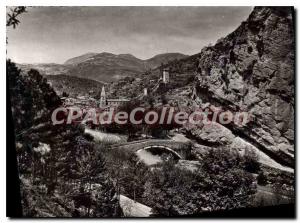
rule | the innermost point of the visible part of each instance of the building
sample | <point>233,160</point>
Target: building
<point>145,91</point>
<point>103,98</point>
<point>116,102</point>
<point>166,75</point>
<point>110,102</point>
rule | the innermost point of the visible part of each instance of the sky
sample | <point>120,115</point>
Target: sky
<point>55,34</point>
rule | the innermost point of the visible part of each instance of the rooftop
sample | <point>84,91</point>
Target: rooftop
<point>117,99</point>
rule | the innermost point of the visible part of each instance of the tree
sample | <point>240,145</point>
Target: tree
<point>58,165</point>
<point>262,179</point>
<point>251,163</point>
<point>12,16</point>
<point>96,193</point>
<point>71,162</point>
<point>164,99</point>
<point>150,99</point>
<point>14,208</point>
<point>218,184</point>
<point>64,94</point>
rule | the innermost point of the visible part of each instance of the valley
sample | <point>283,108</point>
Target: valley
<point>215,78</point>
<point>164,169</point>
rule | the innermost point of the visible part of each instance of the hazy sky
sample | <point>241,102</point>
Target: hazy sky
<point>55,34</point>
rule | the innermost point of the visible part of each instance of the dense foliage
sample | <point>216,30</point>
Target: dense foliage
<point>220,183</point>
<point>61,173</point>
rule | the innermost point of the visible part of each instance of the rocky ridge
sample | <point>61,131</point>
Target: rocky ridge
<point>252,70</point>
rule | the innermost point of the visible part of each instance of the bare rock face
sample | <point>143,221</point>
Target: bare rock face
<point>213,134</point>
<point>252,70</point>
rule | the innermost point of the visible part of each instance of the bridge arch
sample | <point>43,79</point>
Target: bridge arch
<point>177,155</point>
<point>179,150</point>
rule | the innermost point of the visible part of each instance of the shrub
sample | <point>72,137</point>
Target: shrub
<point>251,163</point>
<point>219,184</point>
<point>64,94</point>
<point>262,179</point>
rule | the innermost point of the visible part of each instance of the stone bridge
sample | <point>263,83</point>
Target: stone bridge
<point>181,150</point>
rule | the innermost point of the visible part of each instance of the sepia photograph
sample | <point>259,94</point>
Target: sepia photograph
<point>150,111</point>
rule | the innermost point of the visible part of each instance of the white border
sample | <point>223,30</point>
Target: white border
<point>150,2</point>
<point>112,3</point>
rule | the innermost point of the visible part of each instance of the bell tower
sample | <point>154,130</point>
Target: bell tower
<point>103,98</point>
<point>145,91</point>
<point>166,76</point>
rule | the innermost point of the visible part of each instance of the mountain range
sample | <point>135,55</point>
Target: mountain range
<point>103,67</point>
<point>250,69</point>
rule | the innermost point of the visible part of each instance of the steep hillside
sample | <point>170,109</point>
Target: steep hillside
<point>164,58</point>
<point>74,85</point>
<point>252,70</point>
<point>51,171</point>
<point>108,67</point>
<point>80,59</point>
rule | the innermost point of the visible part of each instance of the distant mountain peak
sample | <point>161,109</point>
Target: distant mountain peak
<point>164,58</point>
<point>127,55</point>
<point>105,54</point>
<point>81,58</point>
<point>169,54</point>
<point>105,66</point>
<point>109,67</point>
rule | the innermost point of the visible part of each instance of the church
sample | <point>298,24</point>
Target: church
<point>106,103</point>
<point>110,102</point>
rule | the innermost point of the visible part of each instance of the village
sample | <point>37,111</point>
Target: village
<point>106,103</point>
<point>188,119</point>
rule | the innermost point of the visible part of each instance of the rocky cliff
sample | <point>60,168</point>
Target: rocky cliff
<point>252,70</point>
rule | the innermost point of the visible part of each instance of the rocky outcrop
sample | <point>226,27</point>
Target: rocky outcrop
<point>215,135</point>
<point>252,70</point>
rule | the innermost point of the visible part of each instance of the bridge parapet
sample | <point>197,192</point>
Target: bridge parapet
<point>182,148</point>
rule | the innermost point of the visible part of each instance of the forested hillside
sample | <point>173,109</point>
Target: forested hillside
<point>60,171</point>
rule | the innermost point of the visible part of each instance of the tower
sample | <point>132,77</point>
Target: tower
<point>102,98</point>
<point>145,91</point>
<point>166,76</point>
